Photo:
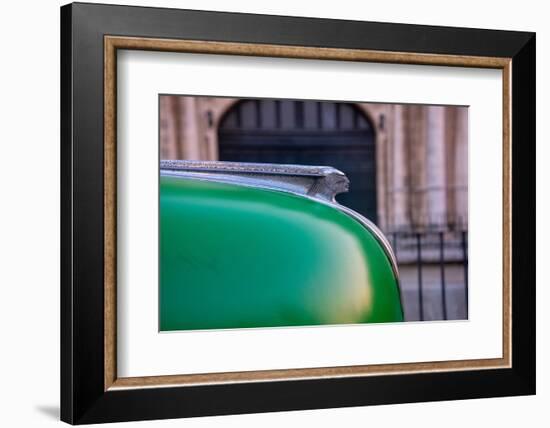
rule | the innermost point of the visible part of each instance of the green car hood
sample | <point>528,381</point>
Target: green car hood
<point>235,256</point>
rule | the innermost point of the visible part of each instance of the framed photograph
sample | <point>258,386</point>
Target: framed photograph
<point>266,213</point>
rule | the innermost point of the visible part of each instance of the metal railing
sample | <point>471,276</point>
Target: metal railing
<point>433,266</point>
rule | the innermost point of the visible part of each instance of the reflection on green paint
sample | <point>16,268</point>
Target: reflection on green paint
<point>237,257</point>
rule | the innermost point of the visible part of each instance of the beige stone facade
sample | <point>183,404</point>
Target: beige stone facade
<point>421,155</point>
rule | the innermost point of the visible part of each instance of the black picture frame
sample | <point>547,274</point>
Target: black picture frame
<point>83,396</point>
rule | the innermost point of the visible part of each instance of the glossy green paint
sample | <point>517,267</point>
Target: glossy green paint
<point>235,257</point>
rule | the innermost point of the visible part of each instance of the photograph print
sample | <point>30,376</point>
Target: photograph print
<point>285,213</point>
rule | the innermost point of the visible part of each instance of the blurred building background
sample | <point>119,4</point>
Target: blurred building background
<point>407,165</point>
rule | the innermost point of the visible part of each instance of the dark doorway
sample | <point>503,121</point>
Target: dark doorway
<point>307,133</point>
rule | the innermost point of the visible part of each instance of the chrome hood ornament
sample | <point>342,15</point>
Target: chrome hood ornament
<point>321,182</point>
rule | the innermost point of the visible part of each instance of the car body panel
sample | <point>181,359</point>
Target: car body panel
<point>235,256</point>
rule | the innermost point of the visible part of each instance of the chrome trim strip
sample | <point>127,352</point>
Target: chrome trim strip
<point>248,167</point>
<point>320,183</point>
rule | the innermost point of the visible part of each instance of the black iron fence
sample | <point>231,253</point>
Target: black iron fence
<point>433,266</point>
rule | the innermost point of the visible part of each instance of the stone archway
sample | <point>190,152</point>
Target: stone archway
<point>306,132</point>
